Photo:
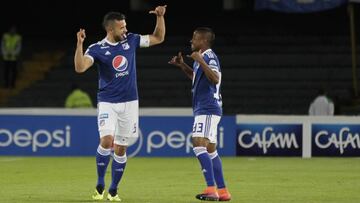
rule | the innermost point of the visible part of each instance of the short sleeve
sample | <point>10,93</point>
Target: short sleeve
<point>212,61</point>
<point>141,41</point>
<point>90,52</point>
<point>144,41</point>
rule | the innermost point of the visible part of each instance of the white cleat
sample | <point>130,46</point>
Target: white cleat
<point>115,198</point>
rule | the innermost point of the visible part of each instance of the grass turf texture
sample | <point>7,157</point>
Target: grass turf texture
<point>175,180</point>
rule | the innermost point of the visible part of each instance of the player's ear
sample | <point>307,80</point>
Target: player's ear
<point>109,27</point>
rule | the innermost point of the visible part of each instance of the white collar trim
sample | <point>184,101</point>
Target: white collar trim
<point>207,50</point>
<point>112,44</point>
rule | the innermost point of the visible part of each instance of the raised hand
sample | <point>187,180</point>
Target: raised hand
<point>81,36</point>
<point>196,56</point>
<point>177,60</point>
<point>159,10</point>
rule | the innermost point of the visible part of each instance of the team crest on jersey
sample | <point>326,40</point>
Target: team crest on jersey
<point>102,122</point>
<point>213,62</point>
<point>125,46</point>
<point>119,63</point>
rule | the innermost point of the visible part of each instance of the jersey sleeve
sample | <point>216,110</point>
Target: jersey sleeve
<point>212,61</point>
<point>91,52</point>
<point>142,41</point>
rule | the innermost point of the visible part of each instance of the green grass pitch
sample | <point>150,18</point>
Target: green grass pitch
<point>178,180</point>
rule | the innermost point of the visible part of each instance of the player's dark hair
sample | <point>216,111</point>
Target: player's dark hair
<point>208,34</point>
<point>111,16</point>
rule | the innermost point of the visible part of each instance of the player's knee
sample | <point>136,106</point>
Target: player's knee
<point>199,142</point>
<point>106,141</point>
<point>211,147</point>
<point>120,150</point>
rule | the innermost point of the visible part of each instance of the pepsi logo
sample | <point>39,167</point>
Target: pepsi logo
<point>135,144</point>
<point>119,63</point>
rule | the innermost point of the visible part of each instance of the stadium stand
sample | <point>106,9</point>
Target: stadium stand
<point>269,67</point>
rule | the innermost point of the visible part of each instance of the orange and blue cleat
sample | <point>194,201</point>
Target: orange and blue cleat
<point>209,194</point>
<point>224,194</point>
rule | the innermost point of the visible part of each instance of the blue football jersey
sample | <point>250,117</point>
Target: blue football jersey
<point>206,95</point>
<point>116,68</point>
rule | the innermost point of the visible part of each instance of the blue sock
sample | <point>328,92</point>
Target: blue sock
<point>206,164</point>
<point>218,172</point>
<point>102,161</point>
<point>117,170</point>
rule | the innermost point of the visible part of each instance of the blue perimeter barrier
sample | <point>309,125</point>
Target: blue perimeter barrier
<point>65,133</point>
<point>78,135</point>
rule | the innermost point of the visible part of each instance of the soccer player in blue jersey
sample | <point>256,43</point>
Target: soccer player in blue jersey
<point>207,102</point>
<point>118,104</point>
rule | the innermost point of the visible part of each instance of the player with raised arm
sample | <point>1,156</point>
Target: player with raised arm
<point>118,104</point>
<point>207,107</point>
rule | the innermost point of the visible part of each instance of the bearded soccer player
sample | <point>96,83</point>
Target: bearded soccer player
<point>118,104</point>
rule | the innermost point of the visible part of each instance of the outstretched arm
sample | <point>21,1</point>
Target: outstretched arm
<point>211,75</point>
<point>158,35</point>
<point>179,62</point>
<point>81,62</point>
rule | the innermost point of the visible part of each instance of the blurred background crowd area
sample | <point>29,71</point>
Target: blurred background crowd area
<point>273,62</point>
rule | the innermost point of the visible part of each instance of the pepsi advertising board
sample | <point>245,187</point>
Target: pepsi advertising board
<point>335,139</point>
<point>171,136</point>
<point>48,135</point>
<point>160,136</point>
<point>269,139</point>
<point>75,134</point>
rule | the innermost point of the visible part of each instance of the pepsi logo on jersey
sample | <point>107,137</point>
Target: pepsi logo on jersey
<point>119,63</point>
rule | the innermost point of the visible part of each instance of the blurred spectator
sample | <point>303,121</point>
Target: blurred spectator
<point>78,98</point>
<point>337,105</point>
<point>10,50</point>
<point>322,105</point>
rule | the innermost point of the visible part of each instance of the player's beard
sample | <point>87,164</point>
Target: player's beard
<point>117,38</point>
